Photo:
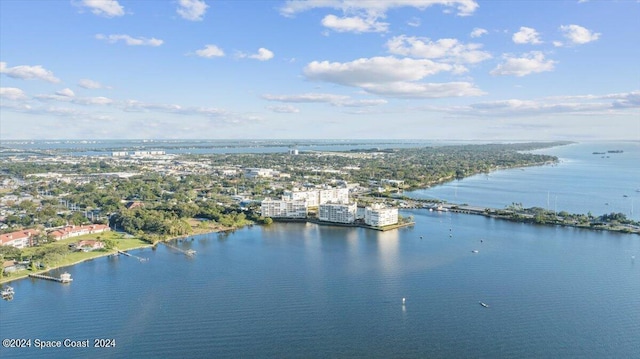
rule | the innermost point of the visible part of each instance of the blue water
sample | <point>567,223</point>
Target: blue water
<point>306,291</point>
<point>582,182</point>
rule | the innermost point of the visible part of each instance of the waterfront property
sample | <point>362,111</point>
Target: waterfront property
<point>19,239</point>
<point>377,215</point>
<point>284,208</point>
<point>74,231</point>
<point>338,212</point>
<point>318,196</point>
<point>89,245</point>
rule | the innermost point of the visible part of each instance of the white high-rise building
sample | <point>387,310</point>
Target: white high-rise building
<point>338,212</point>
<point>334,195</point>
<point>275,208</point>
<point>311,197</point>
<point>316,197</point>
<point>379,216</point>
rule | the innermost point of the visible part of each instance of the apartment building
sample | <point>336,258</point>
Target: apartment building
<point>338,212</point>
<point>276,208</point>
<point>19,239</point>
<point>378,215</point>
<point>316,197</point>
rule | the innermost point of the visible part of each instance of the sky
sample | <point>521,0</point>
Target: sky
<point>320,69</point>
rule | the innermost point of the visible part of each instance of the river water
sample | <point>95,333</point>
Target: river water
<point>293,290</point>
<point>580,183</point>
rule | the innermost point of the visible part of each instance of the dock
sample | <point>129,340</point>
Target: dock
<point>133,256</point>
<point>187,252</point>
<point>64,277</point>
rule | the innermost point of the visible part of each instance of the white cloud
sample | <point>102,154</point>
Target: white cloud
<point>68,96</point>
<point>477,32</point>
<point>131,41</point>
<point>627,100</point>
<point>414,22</point>
<point>292,7</point>
<point>306,98</point>
<point>100,100</point>
<point>89,84</point>
<point>362,103</point>
<point>284,109</point>
<point>192,10</point>
<point>209,112</point>
<point>532,62</point>
<point>390,76</point>
<point>210,51</point>
<point>526,35</point>
<point>106,8</point>
<point>375,69</point>
<point>355,24</point>
<point>424,90</point>
<point>335,100</point>
<point>578,35</point>
<point>450,50</point>
<point>262,55</point>
<point>26,72</point>
<point>12,93</point>
<point>66,93</point>
<point>598,105</point>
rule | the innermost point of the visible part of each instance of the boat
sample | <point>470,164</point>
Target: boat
<point>7,292</point>
<point>474,251</point>
<point>484,304</point>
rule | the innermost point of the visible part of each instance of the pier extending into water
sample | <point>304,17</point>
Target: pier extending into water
<point>186,252</point>
<point>64,277</point>
<point>134,256</point>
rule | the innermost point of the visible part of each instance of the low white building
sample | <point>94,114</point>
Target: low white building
<point>18,239</point>
<point>260,172</point>
<point>338,212</point>
<point>378,215</point>
<point>276,208</point>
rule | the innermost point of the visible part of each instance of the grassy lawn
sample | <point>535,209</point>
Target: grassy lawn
<point>200,226</point>
<point>123,243</point>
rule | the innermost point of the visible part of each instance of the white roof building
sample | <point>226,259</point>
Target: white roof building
<point>379,216</point>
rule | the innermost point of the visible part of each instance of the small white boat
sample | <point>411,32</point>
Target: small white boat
<point>484,304</point>
<point>474,251</point>
<point>7,292</point>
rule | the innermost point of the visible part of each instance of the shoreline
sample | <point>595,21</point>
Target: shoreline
<point>28,272</point>
<point>4,280</point>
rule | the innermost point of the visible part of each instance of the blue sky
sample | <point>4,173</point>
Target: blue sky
<point>414,69</point>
